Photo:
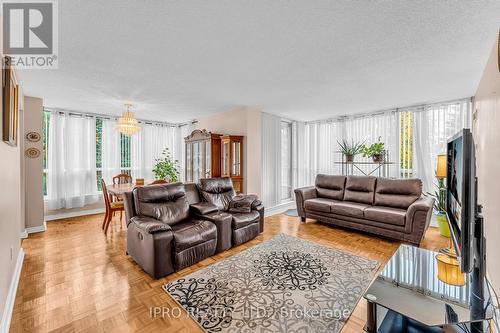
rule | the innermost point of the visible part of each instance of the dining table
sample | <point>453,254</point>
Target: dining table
<point>118,190</point>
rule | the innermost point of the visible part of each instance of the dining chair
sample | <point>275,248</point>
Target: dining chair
<point>111,207</point>
<point>122,178</point>
<point>158,181</point>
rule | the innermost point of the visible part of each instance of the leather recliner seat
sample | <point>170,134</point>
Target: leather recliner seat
<point>163,235</point>
<point>213,201</point>
<point>392,208</point>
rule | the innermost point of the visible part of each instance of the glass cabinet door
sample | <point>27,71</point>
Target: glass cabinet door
<point>236,155</point>
<point>208,159</point>
<point>197,162</point>
<point>189,171</point>
<point>225,158</point>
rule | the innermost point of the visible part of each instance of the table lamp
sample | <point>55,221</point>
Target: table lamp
<point>441,167</point>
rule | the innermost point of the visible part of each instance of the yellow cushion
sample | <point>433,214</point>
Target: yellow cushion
<point>116,204</point>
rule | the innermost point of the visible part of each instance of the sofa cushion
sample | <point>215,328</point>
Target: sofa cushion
<point>166,203</point>
<point>319,204</point>
<point>360,189</point>
<point>398,193</point>
<point>331,187</point>
<point>192,232</point>
<point>349,208</point>
<point>243,219</point>
<point>389,215</point>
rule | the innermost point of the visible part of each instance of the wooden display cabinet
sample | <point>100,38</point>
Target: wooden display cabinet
<point>232,160</point>
<point>203,155</point>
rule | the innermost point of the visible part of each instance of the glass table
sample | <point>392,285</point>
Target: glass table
<point>407,296</point>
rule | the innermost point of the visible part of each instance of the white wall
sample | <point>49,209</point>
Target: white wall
<point>241,121</point>
<point>11,217</point>
<point>33,167</point>
<point>486,129</point>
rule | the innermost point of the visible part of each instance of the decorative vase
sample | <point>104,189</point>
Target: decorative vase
<point>444,228</point>
<point>378,158</point>
<point>349,158</point>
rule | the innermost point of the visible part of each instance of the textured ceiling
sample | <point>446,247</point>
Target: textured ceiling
<point>308,59</point>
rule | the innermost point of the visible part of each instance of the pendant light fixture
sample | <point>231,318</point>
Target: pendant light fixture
<point>127,124</point>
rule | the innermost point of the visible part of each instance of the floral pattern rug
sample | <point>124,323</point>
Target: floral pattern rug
<point>285,284</point>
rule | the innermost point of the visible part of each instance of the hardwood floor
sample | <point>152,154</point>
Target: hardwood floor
<point>76,279</point>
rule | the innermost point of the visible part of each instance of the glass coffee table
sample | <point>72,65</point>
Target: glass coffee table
<point>407,296</point>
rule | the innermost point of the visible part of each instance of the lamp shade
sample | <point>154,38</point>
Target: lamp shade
<point>441,166</point>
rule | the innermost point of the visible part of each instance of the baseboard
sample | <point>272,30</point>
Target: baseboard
<point>11,296</point>
<point>33,230</point>
<point>281,208</point>
<point>74,214</point>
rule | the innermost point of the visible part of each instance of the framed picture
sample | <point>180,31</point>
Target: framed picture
<point>10,107</point>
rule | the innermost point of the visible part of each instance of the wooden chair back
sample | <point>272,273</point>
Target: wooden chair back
<point>122,178</point>
<point>105,193</point>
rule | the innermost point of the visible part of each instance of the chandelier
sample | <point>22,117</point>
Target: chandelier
<point>127,124</point>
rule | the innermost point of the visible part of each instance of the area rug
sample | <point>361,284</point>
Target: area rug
<point>285,284</point>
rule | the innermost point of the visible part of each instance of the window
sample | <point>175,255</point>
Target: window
<point>286,161</point>
<point>406,144</point>
<point>125,148</point>
<point>45,134</point>
<point>125,151</point>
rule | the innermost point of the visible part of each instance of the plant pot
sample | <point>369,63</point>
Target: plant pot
<point>444,228</point>
<point>349,158</point>
<point>378,158</point>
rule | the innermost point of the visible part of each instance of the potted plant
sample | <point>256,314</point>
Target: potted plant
<point>350,149</point>
<point>440,207</point>
<point>166,167</point>
<point>375,151</point>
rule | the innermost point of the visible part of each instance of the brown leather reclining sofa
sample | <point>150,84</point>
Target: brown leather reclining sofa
<point>392,208</point>
<point>169,227</point>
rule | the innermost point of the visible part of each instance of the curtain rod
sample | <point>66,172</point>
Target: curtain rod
<point>107,116</point>
<point>395,110</point>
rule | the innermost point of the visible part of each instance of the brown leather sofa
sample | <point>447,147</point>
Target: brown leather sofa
<point>392,208</point>
<point>169,227</point>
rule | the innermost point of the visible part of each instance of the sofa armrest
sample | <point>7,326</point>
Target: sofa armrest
<point>203,207</point>
<point>260,208</point>
<point>301,195</point>
<point>128,201</point>
<point>223,222</point>
<point>418,217</point>
<point>149,224</point>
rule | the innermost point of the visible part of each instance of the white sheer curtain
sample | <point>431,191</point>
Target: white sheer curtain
<point>110,145</point>
<point>372,128</point>
<point>72,180</point>
<point>271,159</point>
<point>318,149</point>
<point>432,127</point>
<point>148,145</point>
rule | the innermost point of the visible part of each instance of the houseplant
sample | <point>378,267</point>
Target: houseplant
<point>440,197</point>
<point>166,167</point>
<point>375,151</point>
<point>350,149</point>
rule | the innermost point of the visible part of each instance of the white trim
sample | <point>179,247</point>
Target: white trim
<point>11,296</point>
<point>33,230</point>
<point>74,214</point>
<point>278,209</point>
<point>24,234</point>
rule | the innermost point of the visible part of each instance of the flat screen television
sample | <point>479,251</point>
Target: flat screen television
<point>461,196</point>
